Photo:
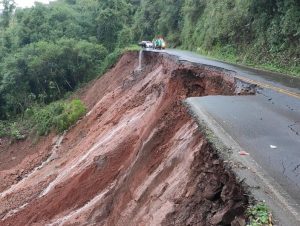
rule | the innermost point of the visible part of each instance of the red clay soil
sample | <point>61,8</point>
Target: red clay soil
<point>137,157</point>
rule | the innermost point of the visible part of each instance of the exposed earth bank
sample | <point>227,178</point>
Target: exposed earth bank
<point>137,157</point>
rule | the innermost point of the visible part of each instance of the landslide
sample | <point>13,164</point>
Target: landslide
<point>136,158</point>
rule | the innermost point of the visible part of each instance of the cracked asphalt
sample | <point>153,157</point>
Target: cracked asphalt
<point>262,128</point>
<point>280,82</point>
<point>258,123</point>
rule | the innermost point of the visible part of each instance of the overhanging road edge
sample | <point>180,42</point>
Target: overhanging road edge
<point>261,186</point>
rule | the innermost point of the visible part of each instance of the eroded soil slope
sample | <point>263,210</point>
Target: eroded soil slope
<point>137,157</point>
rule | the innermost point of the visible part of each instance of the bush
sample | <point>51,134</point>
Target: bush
<point>72,112</point>
<point>110,60</point>
<point>259,214</point>
<point>3,129</point>
<point>12,129</point>
<point>15,132</point>
<point>57,115</point>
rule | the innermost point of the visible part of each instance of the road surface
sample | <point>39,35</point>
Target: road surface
<point>270,79</point>
<point>269,132</point>
<point>266,125</point>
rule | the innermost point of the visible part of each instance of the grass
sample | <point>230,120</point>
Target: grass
<point>229,55</point>
<point>41,120</point>
<point>15,129</point>
<point>259,215</point>
<point>58,115</point>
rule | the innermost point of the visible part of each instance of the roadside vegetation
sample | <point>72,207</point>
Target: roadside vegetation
<point>58,115</point>
<point>41,120</point>
<point>48,51</point>
<point>259,215</point>
<point>260,33</point>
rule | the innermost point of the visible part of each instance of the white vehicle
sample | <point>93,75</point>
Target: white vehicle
<point>146,44</point>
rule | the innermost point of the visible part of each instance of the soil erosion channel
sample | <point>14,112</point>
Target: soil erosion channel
<point>136,158</point>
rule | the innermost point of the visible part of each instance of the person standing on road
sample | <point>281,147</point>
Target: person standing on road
<point>154,42</point>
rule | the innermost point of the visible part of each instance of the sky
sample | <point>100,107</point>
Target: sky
<point>29,3</point>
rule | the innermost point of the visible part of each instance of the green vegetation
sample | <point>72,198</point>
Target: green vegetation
<point>259,215</point>
<point>12,129</point>
<point>50,50</point>
<point>263,33</point>
<point>41,120</point>
<point>43,72</point>
<point>57,115</point>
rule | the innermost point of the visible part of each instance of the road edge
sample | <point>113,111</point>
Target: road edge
<point>258,183</point>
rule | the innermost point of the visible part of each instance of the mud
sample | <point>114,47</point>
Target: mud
<point>136,158</point>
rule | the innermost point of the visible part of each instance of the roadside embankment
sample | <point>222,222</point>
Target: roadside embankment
<point>136,158</point>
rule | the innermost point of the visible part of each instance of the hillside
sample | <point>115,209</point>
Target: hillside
<point>50,50</point>
<point>136,157</point>
<point>94,131</point>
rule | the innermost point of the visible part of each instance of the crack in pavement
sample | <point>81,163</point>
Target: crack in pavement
<point>297,167</point>
<point>260,91</point>
<point>289,107</point>
<point>282,163</point>
<point>294,130</point>
<point>270,99</point>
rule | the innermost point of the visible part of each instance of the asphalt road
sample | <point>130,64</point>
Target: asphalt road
<point>266,125</point>
<point>270,133</point>
<point>274,80</point>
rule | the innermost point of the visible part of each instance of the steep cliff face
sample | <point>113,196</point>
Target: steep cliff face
<point>136,158</point>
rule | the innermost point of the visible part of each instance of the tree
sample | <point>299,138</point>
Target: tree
<point>7,10</point>
<point>113,16</point>
<point>125,37</point>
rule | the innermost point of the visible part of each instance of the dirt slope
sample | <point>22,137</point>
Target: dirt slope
<point>137,157</point>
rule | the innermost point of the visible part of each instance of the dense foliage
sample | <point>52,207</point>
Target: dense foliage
<point>40,120</point>
<point>58,115</point>
<point>49,50</point>
<point>247,31</point>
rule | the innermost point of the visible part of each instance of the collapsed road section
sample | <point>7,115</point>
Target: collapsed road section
<point>136,158</point>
